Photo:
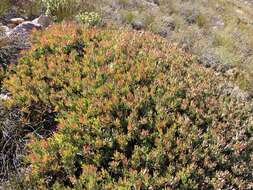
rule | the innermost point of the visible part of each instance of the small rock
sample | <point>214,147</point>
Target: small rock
<point>231,72</point>
<point>4,30</point>
<point>163,32</point>
<point>43,20</point>
<point>11,25</point>
<point>168,22</point>
<point>219,8</point>
<point>233,90</point>
<point>209,59</point>
<point>217,22</point>
<point>9,14</point>
<point>190,14</point>
<point>16,21</point>
<point>4,97</point>
<point>156,2</point>
<point>26,27</point>
<point>138,25</point>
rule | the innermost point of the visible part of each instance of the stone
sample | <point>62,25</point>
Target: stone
<point>4,97</point>
<point>209,59</point>
<point>189,13</point>
<point>163,32</point>
<point>168,22</point>
<point>4,30</point>
<point>230,89</point>
<point>10,25</point>
<point>16,21</point>
<point>138,25</point>
<point>217,22</point>
<point>26,27</point>
<point>42,20</point>
<point>156,2</point>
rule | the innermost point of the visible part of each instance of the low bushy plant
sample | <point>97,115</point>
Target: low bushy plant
<point>133,111</point>
<point>4,5</point>
<point>127,16</point>
<point>62,9</point>
<point>66,9</point>
<point>30,8</point>
<point>89,18</point>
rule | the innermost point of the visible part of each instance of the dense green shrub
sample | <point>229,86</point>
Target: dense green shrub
<point>133,112</point>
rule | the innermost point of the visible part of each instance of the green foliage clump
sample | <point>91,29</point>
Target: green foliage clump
<point>62,9</point>
<point>127,16</point>
<point>4,5</point>
<point>89,18</point>
<point>30,8</point>
<point>133,111</point>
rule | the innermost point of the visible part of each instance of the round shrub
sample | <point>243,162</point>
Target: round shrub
<point>89,18</point>
<point>5,4</point>
<point>65,9</point>
<point>62,9</point>
<point>133,112</point>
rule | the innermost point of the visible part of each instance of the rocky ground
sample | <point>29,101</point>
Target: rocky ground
<point>14,37</point>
